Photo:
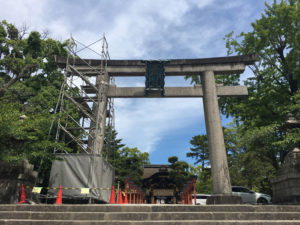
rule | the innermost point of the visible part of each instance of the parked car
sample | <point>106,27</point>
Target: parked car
<point>252,197</point>
<point>200,199</point>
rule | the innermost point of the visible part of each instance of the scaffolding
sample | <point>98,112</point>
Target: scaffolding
<point>80,117</point>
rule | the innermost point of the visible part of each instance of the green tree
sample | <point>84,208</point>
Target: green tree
<point>179,173</point>
<point>199,151</point>
<point>248,167</point>
<point>274,89</point>
<point>112,145</point>
<point>30,82</point>
<point>129,162</point>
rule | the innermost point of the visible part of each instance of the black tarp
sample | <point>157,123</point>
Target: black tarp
<point>79,174</point>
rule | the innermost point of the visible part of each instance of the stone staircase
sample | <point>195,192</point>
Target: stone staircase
<point>148,214</point>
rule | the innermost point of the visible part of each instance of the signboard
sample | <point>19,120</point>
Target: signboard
<point>155,76</point>
<point>163,192</point>
<point>85,190</point>
<point>37,190</point>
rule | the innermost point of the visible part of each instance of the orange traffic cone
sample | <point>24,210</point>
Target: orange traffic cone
<point>125,199</point>
<point>59,196</point>
<point>112,196</point>
<point>120,200</point>
<point>23,195</point>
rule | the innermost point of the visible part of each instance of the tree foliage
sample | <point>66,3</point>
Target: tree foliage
<point>199,151</point>
<point>112,145</point>
<point>204,179</point>
<point>30,82</point>
<point>130,163</point>
<point>274,88</point>
<point>247,168</point>
<point>179,172</point>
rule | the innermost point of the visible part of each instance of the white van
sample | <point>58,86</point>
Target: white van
<point>200,199</point>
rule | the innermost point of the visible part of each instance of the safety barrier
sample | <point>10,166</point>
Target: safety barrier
<point>83,190</point>
<point>132,194</point>
<point>136,194</point>
<point>23,194</point>
<point>38,190</point>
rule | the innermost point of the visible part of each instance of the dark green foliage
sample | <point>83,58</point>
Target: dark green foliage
<point>34,44</point>
<point>179,173</point>
<point>111,145</point>
<point>249,167</point>
<point>173,159</point>
<point>199,151</point>
<point>129,163</point>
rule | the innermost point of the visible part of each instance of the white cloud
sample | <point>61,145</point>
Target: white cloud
<point>147,21</point>
<point>202,3</point>
<point>59,29</point>
<point>19,12</point>
<point>147,29</point>
<point>143,123</point>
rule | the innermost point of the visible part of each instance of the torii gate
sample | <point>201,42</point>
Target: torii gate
<point>207,68</point>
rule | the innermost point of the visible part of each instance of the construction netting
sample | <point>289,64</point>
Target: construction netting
<point>82,176</point>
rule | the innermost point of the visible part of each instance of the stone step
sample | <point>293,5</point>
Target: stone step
<point>150,216</point>
<point>171,222</point>
<point>151,208</point>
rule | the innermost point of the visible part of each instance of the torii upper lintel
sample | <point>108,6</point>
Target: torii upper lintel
<point>175,67</point>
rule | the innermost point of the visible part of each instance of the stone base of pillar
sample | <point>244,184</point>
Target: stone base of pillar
<point>174,200</point>
<point>223,200</point>
<point>152,200</point>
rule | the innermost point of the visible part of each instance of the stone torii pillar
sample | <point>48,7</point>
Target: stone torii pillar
<point>99,110</point>
<point>222,193</point>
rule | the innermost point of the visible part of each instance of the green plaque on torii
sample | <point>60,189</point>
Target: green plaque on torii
<point>155,76</point>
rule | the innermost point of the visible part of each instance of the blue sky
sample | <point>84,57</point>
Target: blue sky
<point>146,29</point>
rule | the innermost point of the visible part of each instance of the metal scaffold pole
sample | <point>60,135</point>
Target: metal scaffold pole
<point>84,116</point>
